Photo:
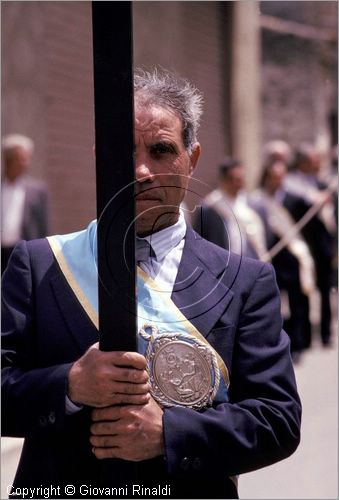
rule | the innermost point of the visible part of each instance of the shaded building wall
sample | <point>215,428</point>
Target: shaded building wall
<point>48,92</point>
<point>191,38</point>
<point>47,89</point>
<point>70,113</point>
<point>299,72</point>
<point>23,76</point>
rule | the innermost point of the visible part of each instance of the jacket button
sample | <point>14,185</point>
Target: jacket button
<point>42,421</point>
<point>185,463</point>
<point>51,418</point>
<point>196,464</point>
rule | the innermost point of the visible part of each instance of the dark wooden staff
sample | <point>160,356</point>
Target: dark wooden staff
<point>114,139</point>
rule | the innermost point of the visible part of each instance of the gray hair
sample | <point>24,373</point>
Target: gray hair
<point>277,150</point>
<point>12,141</point>
<point>165,89</point>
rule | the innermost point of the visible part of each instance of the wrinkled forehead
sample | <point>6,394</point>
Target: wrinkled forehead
<point>154,118</point>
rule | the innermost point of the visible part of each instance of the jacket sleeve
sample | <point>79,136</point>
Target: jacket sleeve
<point>33,399</point>
<point>260,424</point>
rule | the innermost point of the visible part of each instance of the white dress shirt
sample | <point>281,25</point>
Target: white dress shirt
<point>167,246</point>
<point>12,212</point>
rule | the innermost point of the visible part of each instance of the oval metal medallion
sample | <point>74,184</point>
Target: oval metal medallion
<point>182,374</point>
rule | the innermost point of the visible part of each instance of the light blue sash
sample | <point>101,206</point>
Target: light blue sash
<point>76,255</point>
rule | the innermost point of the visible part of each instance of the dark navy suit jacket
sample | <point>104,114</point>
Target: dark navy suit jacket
<point>233,302</point>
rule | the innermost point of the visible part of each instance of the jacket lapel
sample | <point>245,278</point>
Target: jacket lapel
<point>199,291</point>
<point>81,327</point>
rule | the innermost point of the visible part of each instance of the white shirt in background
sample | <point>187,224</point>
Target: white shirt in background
<point>12,212</point>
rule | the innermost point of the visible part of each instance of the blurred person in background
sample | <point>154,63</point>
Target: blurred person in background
<point>277,150</point>
<point>333,180</point>
<point>319,232</point>
<point>293,264</point>
<point>334,163</point>
<point>24,200</point>
<point>330,179</point>
<point>306,178</point>
<point>227,219</point>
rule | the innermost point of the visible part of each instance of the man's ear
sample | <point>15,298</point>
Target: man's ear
<point>194,156</point>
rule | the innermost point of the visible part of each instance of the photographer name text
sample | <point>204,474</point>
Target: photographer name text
<point>70,490</point>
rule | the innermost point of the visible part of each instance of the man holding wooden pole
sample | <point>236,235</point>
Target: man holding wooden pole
<point>211,392</point>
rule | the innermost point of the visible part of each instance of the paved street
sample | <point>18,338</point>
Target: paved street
<point>10,451</point>
<point>312,472</point>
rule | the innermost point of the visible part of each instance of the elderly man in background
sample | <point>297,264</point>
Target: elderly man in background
<point>24,200</point>
<point>211,393</point>
<point>277,150</point>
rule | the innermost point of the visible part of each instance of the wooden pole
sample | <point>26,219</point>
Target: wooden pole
<point>114,125</point>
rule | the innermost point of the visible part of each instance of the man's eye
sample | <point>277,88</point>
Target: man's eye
<point>161,149</point>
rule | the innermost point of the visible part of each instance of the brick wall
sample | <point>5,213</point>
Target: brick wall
<point>47,84</point>
<point>299,74</point>
<point>185,36</point>
<point>47,94</point>
<point>69,108</point>
<point>23,68</point>
<point>189,37</point>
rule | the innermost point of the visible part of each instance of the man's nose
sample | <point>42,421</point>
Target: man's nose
<point>143,170</point>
